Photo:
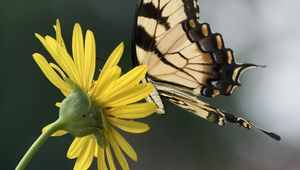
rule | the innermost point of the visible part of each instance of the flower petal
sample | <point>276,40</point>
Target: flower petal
<point>57,133</point>
<point>111,63</point>
<point>50,73</point>
<point>133,111</point>
<point>103,83</point>
<point>129,126</point>
<point>130,79</point>
<point>59,37</point>
<point>90,58</point>
<point>78,50</point>
<point>76,147</point>
<point>86,156</point>
<point>114,58</point>
<point>101,159</point>
<point>126,147</point>
<point>53,52</point>
<point>55,67</point>
<point>129,96</point>
<point>61,56</point>
<point>118,152</point>
<point>110,159</point>
<point>96,150</point>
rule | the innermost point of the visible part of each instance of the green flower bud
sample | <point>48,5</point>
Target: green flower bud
<point>79,115</point>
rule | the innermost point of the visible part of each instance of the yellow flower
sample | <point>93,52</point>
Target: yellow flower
<point>114,96</point>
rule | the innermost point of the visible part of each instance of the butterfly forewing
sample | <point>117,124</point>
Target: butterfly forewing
<point>182,49</point>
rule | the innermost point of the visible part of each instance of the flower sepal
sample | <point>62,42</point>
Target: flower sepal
<point>99,135</point>
<point>78,114</point>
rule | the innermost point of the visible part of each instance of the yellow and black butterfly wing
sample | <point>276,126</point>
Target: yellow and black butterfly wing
<point>201,109</point>
<point>153,20</point>
<point>184,55</point>
<point>180,50</point>
<point>155,17</point>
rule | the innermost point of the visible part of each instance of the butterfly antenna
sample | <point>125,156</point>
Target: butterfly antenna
<point>100,59</point>
<point>247,124</point>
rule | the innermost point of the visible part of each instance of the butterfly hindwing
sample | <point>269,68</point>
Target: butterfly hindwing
<point>209,113</point>
<point>190,103</point>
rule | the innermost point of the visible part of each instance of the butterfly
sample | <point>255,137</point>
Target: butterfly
<point>186,59</point>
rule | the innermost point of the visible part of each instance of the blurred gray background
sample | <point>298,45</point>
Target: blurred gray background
<point>262,32</point>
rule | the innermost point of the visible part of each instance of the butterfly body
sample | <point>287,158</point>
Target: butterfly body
<point>185,59</point>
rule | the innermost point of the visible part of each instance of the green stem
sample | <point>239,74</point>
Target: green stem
<point>38,143</point>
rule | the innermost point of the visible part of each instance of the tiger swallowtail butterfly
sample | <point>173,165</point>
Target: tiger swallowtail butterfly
<point>185,59</point>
